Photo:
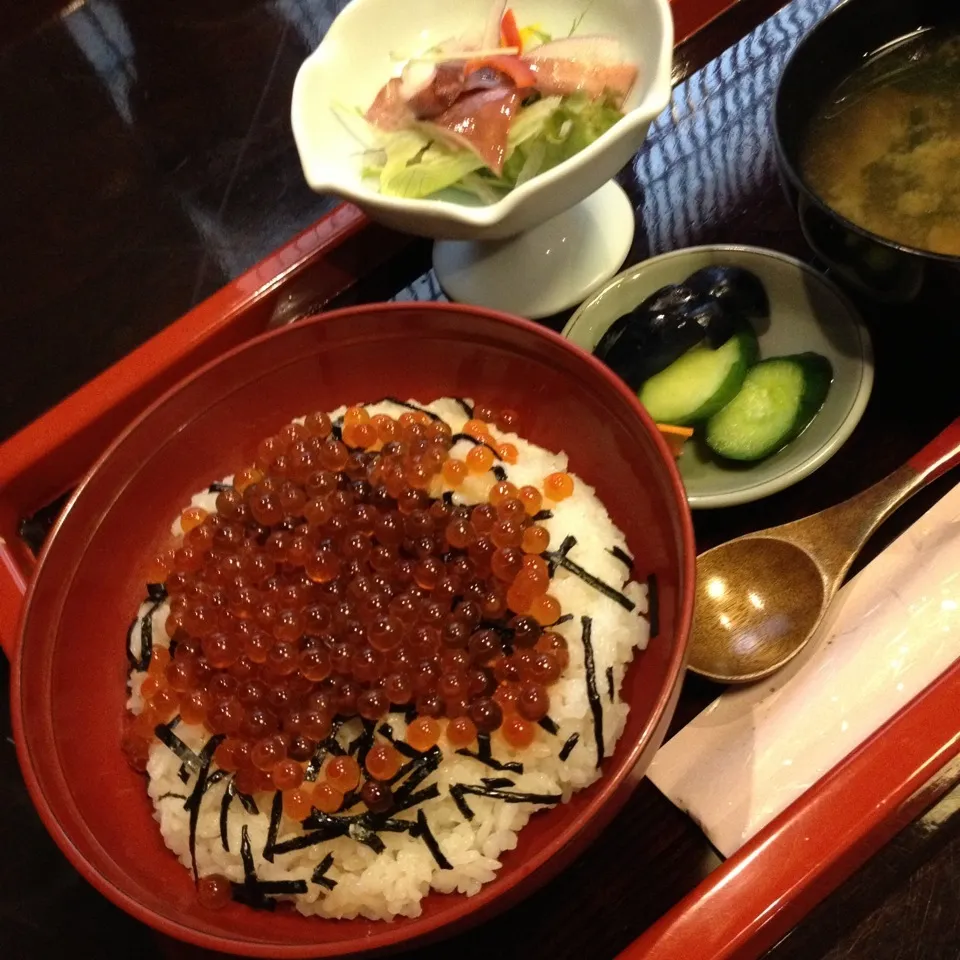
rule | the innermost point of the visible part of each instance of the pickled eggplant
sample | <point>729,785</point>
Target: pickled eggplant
<point>736,290</point>
<point>707,308</point>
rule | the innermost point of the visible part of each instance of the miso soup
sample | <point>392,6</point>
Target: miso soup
<point>884,149</point>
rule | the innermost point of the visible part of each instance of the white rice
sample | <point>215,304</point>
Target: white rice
<point>392,883</point>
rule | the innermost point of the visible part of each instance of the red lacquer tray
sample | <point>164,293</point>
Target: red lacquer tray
<point>756,896</point>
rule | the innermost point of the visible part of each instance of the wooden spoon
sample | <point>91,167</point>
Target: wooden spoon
<point>761,597</point>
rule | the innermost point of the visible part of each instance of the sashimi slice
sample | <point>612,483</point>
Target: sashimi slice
<point>480,122</point>
<point>592,65</point>
<point>389,111</point>
<point>513,68</point>
<point>556,77</point>
<point>597,48</point>
<point>485,78</point>
<point>439,95</point>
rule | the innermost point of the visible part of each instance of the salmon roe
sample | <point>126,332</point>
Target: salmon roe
<point>423,733</point>
<point>535,539</point>
<point>333,581</point>
<point>343,773</point>
<point>558,486</point>
<point>327,798</point>
<point>480,459</point>
<point>297,804</point>
<point>519,733</point>
<point>461,732</point>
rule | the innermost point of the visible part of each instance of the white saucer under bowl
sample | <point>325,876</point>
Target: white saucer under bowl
<point>547,269</point>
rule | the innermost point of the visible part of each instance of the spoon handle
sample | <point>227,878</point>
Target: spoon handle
<point>836,535</point>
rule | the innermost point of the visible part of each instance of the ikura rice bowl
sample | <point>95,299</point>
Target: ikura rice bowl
<point>346,692</point>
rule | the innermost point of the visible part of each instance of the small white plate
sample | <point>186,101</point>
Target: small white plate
<point>807,312</point>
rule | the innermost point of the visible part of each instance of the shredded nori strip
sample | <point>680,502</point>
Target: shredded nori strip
<point>485,755</point>
<point>183,773</point>
<point>431,841</point>
<point>252,897</point>
<point>499,472</point>
<point>255,893</point>
<point>464,406</point>
<point>311,839</point>
<point>364,834</point>
<point>336,429</point>
<point>653,605</point>
<point>205,758</point>
<point>477,443</point>
<point>361,827</point>
<point>156,592</point>
<point>622,556</point>
<point>410,406</point>
<point>610,690</point>
<point>410,714</point>
<point>225,802</point>
<point>276,811</point>
<point>413,799</point>
<point>569,542</point>
<point>385,730</point>
<point>164,733</point>
<point>567,748</point>
<point>247,802</point>
<point>216,777</point>
<point>364,827</point>
<point>542,515</point>
<point>561,560</point>
<point>549,724</point>
<point>461,803</point>
<point>592,695</point>
<point>319,875</point>
<point>459,791</point>
<point>281,886</point>
<point>246,856</point>
<point>420,769</point>
<point>219,487</point>
<point>192,803</point>
<point>169,795</point>
<point>146,633</point>
<point>495,782</point>
<point>511,766</point>
<point>397,826</point>
<point>361,744</point>
<point>448,498</point>
<point>330,745</point>
<point>566,618</point>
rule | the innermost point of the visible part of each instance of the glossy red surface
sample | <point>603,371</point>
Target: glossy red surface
<point>87,582</point>
<point>941,454</point>
<point>753,900</point>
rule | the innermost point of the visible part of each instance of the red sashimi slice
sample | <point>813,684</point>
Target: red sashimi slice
<point>389,111</point>
<point>480,122</point>
<point>556,77</point>
<point>441,93</point>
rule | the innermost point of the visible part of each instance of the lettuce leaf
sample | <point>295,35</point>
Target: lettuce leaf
<point>410,164</point>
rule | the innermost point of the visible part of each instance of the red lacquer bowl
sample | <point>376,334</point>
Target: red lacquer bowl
<point>69,667</point>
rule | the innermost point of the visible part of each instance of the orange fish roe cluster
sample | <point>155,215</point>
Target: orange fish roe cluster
<point>328,584</point>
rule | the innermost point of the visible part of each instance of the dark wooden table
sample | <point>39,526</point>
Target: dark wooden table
<point>147,159</point>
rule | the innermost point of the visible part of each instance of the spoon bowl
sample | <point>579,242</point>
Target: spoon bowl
<point>761,597</point>
<point>758,600</point>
